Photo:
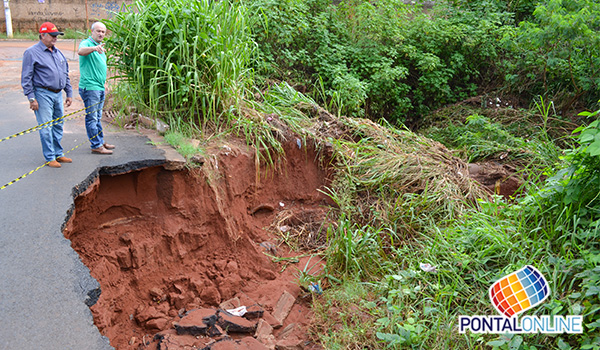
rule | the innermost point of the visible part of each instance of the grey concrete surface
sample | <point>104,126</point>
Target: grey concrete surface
<point>44,286</point>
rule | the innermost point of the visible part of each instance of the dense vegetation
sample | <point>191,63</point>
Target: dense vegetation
<point>217,68</point>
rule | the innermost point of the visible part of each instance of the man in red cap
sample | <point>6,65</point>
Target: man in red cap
<point>44,75</point>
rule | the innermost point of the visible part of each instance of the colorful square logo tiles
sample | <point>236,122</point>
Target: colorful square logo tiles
<point>519,291</point>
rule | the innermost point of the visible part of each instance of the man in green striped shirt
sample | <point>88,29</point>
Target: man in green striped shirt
<point>92,69</point>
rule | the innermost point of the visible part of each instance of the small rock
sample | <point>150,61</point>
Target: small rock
<point>178,300</point>
<point>268,274</point>
<point>198,159</point>
<point>142,314</point>
<point>197,285</point>
<point>173,313</point>
<point>215,331</point>
<point>157,323</point>
<point>474,169</point>
<point>194,304</point>
<point>170,340</point>
<point>287,331</point>
<point>232,267</point>
<point>264,334</point>
<point>271,320</point>
<point>179,288</point>
<point>220,264</point>
<point>290,344</point>
<point>126,237</point>
<point>283,307</point>
<point>156,293</point>
<point>211,295</point>
<point>124,258</point>
<point>161,126</point>
<point>288,338</point>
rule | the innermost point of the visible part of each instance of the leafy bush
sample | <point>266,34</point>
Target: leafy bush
<point>557,53</point>
<point>572,190</point>
<point>379,59</point>
<point>565,214</point>
<point>521,9</point>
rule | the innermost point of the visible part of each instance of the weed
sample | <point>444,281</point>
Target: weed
<point>183,145</point>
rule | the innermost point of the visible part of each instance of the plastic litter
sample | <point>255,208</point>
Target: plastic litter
<point>238,311</point>
<point>315,288</point>
<point>427,267</point>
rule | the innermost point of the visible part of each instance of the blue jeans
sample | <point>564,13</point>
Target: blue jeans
<point>93,101</point>
<point>50,108</point>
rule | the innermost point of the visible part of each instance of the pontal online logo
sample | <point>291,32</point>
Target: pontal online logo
<point>513,294</point>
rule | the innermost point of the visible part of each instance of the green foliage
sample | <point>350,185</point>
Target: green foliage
<point>182,144</point>
<point>522,9</point>
<point>379,60</point>
<point>346,317</point>
<point>557,52</point>
<point>479,138</point>
<point>183,59</point>
<point>401,202</point>
<point>556,227</point>
<point>573,188</point>
<point>353,251</point>
<point>262,127</point>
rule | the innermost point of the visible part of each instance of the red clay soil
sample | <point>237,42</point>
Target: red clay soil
<point>162,243</point>
<point>498,178</point>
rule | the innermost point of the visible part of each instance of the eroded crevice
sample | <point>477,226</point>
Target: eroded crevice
<point>162,243</point>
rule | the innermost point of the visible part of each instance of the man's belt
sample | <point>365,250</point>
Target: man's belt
<point>47,88</point>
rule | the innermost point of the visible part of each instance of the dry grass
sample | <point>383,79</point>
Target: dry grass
<point>303,230</point>
<point>378,158</point>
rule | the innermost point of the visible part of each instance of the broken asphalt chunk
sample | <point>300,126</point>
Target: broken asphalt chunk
<point>199,322</point>
<point>235,324</point>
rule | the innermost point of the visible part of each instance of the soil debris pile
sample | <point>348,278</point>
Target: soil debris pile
<point>165,243</point>
<point>239,328</point>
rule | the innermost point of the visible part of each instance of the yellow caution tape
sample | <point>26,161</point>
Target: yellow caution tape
<point>24,175</point>
<point>47,124</point>
<point>43,165</point>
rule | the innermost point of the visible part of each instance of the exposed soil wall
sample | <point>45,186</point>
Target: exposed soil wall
<point>162,243</point>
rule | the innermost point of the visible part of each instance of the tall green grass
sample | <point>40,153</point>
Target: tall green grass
<point>184,60</point>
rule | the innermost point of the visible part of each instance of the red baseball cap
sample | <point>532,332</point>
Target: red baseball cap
<point>50,28</point>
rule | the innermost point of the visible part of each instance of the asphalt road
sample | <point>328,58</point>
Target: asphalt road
<point>44,286</point>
